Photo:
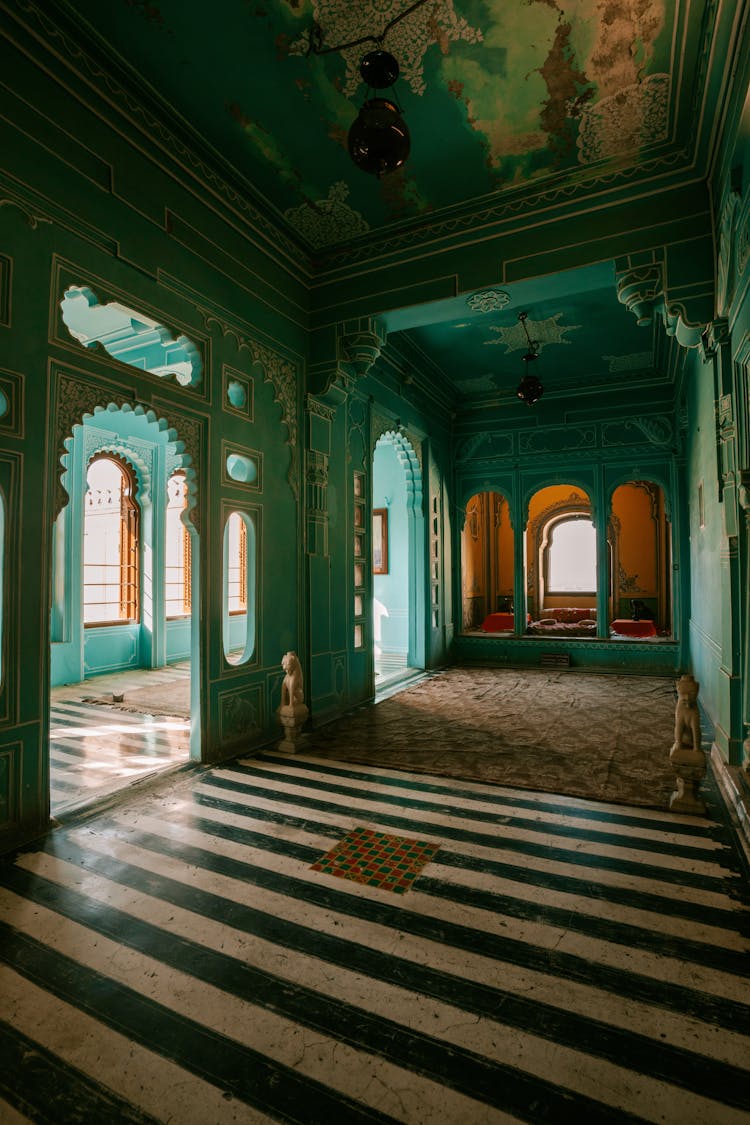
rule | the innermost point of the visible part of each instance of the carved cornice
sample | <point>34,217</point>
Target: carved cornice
<point>640,280</point>
<point>640,288</point>
<point>463,220</point>
<point>281,373</point>
<point>715,336</point>
<point>319,409</point>
<point>351,353</point>
<point>361,349</point>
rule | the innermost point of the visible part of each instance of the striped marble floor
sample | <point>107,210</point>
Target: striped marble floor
<point>95,750</point>
<point>557,961</point>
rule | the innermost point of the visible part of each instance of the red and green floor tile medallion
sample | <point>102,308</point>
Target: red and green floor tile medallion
<point>391,863</point>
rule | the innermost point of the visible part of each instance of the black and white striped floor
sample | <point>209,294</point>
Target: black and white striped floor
<point>95,750</point>
<point>559,961</point>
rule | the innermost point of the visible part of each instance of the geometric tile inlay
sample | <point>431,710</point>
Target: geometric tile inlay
<point>390,863</point>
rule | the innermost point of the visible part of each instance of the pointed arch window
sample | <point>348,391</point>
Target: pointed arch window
<point>177,574</point>
<point>111,547</point>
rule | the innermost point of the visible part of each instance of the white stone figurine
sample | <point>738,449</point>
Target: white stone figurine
<point>291,688</point>
<point>293,713</point>
<point>687,756</point>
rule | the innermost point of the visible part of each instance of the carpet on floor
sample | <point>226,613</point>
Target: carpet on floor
<point>601,736</point>
<point>171,699</point>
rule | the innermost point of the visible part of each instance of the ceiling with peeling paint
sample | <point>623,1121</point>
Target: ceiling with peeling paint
<point>499,96</point>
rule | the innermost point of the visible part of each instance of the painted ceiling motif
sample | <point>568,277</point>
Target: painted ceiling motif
<point>496,94</point>
<point>541,332</point>
<point>586,338</point>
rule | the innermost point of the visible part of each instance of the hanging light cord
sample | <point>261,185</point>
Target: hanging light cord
<point>533,344</point>
<point>315,41</point>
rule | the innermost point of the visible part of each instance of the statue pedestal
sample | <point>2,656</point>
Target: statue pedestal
<point>292,717</point>
<point>690,767</point>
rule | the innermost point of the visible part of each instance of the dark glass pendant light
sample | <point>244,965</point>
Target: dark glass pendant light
<point>530,389</point>
<point>379,140</point>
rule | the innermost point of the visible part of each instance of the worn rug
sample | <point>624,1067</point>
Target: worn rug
<point>592,735</point>
<point>155,699</point>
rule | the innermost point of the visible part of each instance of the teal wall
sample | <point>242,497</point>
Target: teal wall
<point>709,596</point>
<point>108,211</point>
<point>718,451</point>
<point>110,199</point>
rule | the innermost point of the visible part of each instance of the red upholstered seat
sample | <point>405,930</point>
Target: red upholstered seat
<point>498,623</point>
<point>629,628</point>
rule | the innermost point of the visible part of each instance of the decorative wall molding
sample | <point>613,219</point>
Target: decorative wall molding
<point>316,508</point>
<point>12,398</point>
<point>33,219</point>
<point>729,251</point>
<point>240,714</point>
<point>657,429</point>
<point>546,443</point>
<point>319,409</point>
<point>358,423</point>
<point>281,373</point>
<point>557,439</point>
<point>126,101</point>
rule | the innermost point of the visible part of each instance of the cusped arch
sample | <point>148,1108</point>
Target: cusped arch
<point>139,466</point>
<point>651,478</point>
<point>409,462</point>
<point>82,405</point>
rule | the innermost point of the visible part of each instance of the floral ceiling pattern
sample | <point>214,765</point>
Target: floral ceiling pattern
<point>497,95</point>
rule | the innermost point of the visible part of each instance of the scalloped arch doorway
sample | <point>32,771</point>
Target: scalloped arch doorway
<point>398,561</point>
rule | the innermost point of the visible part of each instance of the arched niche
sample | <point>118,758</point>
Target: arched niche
<point>641,560</point>
<point>487,563</point>
<point>561,570</point>
<point>240,576</point>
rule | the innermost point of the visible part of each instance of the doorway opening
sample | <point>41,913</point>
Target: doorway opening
<point>124,700</point>
<point>398,561</point>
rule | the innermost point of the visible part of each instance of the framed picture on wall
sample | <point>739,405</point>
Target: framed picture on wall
<point>380,541</point>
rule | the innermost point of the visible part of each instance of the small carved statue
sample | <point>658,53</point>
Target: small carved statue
<point>686,756</point>
<point>291,688</point>
<point>292,713</point>
<point>687,720</point>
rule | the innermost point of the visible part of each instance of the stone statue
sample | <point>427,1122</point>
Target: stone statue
<point>291,688</point>
<point>293,713</point>
<point>687,756</point>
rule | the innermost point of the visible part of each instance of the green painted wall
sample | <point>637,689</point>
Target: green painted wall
<point>108,197</point>
<point>106,214</point>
